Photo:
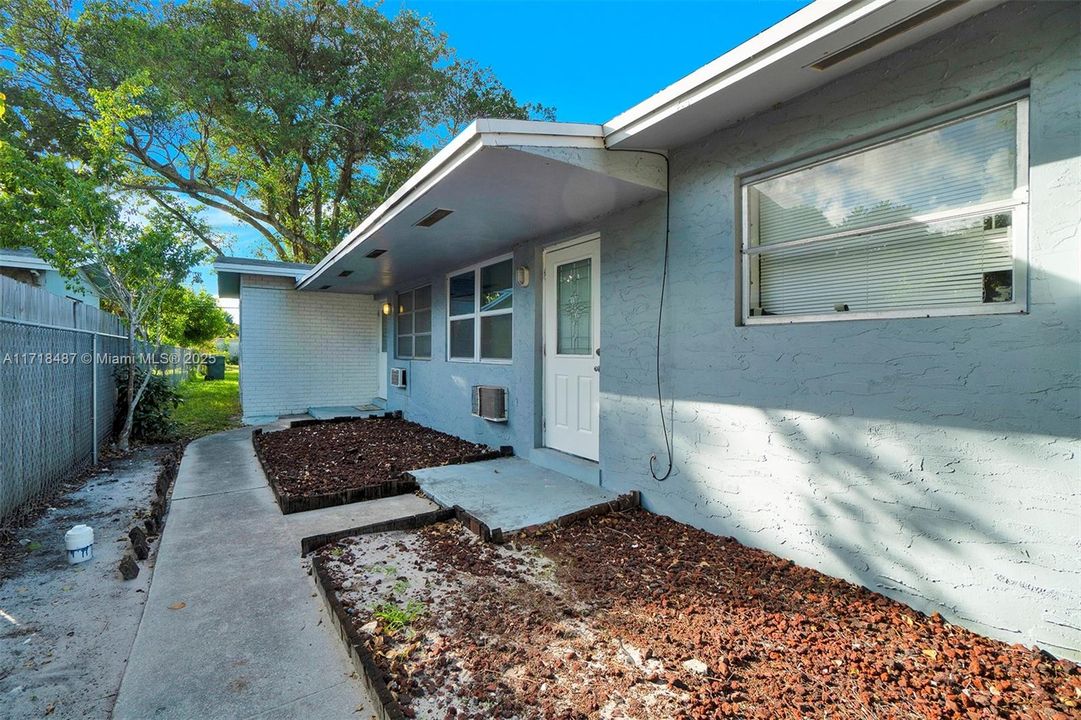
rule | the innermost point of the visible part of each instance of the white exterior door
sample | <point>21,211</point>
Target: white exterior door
<point>572,348</point>
<point>382,353</point>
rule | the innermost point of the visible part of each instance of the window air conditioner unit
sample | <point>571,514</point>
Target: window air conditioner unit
<point>490,402</point>
<point>397,377</point>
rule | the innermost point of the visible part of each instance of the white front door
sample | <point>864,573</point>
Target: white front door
<point>572,292</point>
<point>382,353</point>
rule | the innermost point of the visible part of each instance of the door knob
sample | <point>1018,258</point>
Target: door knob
<point>596,368</point>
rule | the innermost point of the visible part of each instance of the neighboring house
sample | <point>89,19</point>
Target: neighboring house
<point>869,355</point>
<point>25,266</point>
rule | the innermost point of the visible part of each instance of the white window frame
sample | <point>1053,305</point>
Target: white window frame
<point>1017,205</point>
<point>412,313</point>
<point>476,315</point>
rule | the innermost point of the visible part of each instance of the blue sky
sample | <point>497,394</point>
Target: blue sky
<point>589,60</point>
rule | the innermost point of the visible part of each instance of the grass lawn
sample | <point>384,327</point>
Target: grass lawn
<point>209,405</point>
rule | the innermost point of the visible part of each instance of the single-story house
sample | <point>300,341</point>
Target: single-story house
<point>24,265</point>
<point>822,295</point>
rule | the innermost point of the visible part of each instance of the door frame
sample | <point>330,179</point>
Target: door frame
<point>547,306</point>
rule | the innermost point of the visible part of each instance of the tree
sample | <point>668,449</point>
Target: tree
<point>297,117</point>
<point>67,213</point>
<point>192,319</point>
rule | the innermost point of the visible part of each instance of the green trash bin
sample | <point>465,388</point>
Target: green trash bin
<point>215,367</point>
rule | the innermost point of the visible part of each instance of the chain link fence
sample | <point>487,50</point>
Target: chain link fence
<point>58,394</point>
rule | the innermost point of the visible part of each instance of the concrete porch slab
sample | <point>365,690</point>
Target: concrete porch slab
<point>329,412</point>
<point>509,493</point>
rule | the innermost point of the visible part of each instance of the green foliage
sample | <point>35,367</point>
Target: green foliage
<point>297,117</point>
<point>395,617</point>
<point>153,419</point>
<point>191,319</point>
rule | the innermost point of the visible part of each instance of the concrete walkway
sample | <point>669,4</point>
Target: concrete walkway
<point>232,626</point>
<point>509,493</point>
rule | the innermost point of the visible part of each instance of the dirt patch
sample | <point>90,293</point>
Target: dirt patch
<point>66,630</point>
<point>634,615</point>
<point>332,457</point>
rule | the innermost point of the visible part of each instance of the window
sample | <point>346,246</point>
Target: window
<point>415,324</point>
<point>479,302</point>
<point>929,222</point>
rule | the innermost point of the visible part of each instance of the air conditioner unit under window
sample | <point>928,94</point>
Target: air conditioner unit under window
<point>490,402</point>
<point>397,377</point>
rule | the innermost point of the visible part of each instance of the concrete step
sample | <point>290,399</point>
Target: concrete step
<point>578,468</point>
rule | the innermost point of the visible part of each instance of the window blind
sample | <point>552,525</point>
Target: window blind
<point>922,221</point>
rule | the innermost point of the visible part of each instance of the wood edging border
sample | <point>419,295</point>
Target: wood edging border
<point>409,522</point>
<point>375,415</point>
<point>387,708</point>
<point>402,485</point>
<point>628,501</point>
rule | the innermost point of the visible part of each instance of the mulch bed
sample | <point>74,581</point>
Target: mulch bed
<point>331,463</point>
<point>633,615</point>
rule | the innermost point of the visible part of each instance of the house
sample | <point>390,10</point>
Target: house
<point>863,224</point>
<point>25,266</point>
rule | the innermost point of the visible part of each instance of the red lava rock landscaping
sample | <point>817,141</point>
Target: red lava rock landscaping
<point>331,457</point>
<point>634,615</point>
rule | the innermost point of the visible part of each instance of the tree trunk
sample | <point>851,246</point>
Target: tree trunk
<point>123,438</point>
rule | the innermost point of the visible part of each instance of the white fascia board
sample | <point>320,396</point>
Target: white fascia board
<point>806,26</point>
<point>243,269</point>
<point>480,134</point>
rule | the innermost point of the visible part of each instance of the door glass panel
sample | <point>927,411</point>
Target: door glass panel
<point>574,316</point>
<point>382,331</point>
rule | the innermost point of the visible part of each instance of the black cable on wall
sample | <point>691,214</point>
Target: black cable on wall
<point>668,435</point>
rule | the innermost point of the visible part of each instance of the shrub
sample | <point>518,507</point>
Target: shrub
<point>153,420</point>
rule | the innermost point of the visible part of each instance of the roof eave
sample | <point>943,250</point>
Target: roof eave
<point>480,133</point>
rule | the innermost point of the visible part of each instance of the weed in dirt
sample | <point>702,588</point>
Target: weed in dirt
<point>397,617</point>
<point>337,552</point>
<point>401,586</point>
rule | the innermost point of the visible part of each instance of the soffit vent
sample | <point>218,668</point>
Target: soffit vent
<point>375,253</point>
<point>324,287</point>
<point>433,217</point>
<point>901,26</point>
<point>345,273</point>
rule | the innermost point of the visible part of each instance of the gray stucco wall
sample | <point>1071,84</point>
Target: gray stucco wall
<point>439,392</point>
<point>933,460</point>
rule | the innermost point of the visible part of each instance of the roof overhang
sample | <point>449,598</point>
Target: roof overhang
<point>505,181</point>
<point>229,270</point>
<point>23,260</point>
<point>779,64</point>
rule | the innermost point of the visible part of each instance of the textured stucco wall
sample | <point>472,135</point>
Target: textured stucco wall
<point>933,460</point>
<point>303,349</point>
<point>439,392</point>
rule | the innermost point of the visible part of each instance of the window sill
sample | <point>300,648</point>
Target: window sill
<point>1012,308</point>
<point>471,361</point>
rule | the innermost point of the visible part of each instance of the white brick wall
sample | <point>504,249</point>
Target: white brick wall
<point>299,349</point>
